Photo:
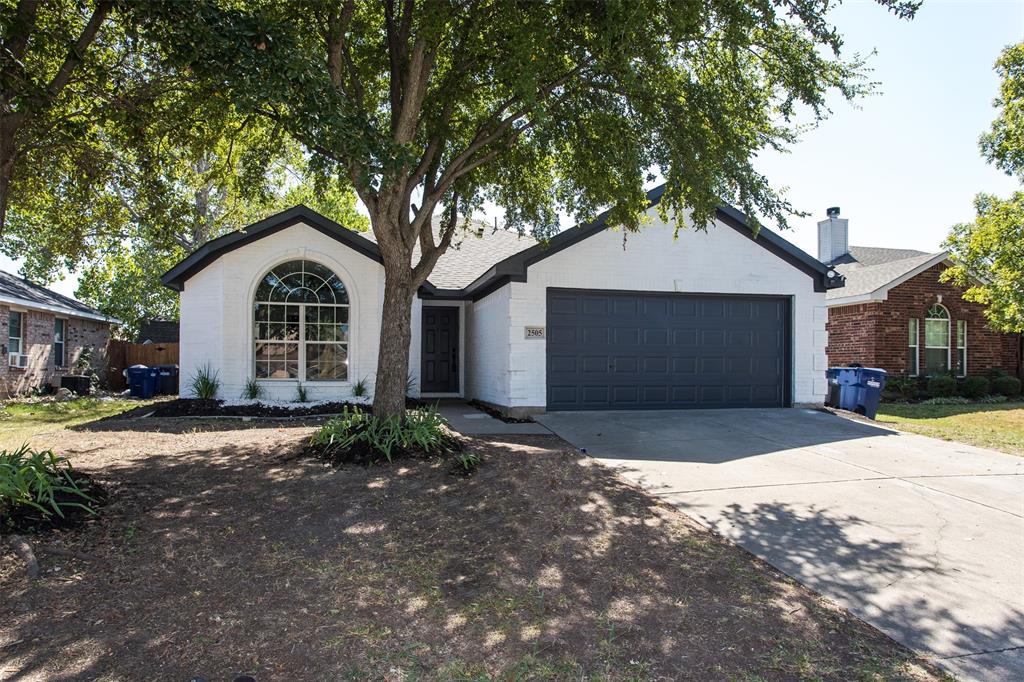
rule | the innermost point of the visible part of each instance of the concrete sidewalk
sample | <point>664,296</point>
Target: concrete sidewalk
<point>470,421</point>
<point>920,537</point>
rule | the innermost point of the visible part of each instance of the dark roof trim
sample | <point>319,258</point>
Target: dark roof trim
<point>212,250</point>
<point>514,268</point>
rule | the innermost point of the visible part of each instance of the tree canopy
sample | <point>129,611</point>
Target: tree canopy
<point>132,164</point>
<point>540,107</point>
<point>989,252</point>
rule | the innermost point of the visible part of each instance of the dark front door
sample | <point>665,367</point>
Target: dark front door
<point>619,351</point>
<point>440,362</point>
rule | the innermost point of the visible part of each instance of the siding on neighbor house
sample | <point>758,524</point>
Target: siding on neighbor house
<point>217,308</point>
<point>719,260</point>
<point>37,343</point>
<point>876,334</point>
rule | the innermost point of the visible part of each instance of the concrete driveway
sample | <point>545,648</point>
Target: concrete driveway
<point>922,538</point>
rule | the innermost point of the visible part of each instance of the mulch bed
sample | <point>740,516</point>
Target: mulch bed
<point>497,414</point>
<point>223,550</point>
<point>195,407</point>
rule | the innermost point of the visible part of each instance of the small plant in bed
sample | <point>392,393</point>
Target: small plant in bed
<point>359,437</point>
<point>40,491</point>
<point>252,390</point>
<point>205,383</point>
<point>465,463</point>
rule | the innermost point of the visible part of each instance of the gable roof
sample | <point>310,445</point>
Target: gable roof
<point>17,291</point>
<point>871,271</point>
<point>482,258</point>
<point>475,247</point>
<point>514,268</point>
<point>215,248</point>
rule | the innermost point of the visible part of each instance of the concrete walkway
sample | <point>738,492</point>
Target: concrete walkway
<point>920,537</point>
<point>470,421</point>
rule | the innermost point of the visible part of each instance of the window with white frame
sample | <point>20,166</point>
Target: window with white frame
<point>301,324</point>
<point>60,326</point>
<point>936,341</point>
<point>15,340</point>
<point>961,348</point>
<point>914,347</point>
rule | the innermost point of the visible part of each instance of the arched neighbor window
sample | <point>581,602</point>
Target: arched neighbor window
<point>936,341</point>
<point>300,324</point>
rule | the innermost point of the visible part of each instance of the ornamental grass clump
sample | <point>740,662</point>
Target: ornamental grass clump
<point>359,436</point>
<point>39,490</point>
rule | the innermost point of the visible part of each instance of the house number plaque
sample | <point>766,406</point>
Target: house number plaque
<point>535,332</point>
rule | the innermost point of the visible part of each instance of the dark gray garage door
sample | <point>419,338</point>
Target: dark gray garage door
<point>617,350</point>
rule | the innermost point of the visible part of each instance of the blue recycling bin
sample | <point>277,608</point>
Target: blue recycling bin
<point>142,380</point>
<point>870,383</point>
<point>843,387</point>
<point>167,383</point>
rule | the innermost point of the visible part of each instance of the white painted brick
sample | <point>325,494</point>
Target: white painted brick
<point>216,312</point>
<point>717,261</point>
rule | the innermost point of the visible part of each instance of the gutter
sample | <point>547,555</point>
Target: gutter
<point>70,312</point>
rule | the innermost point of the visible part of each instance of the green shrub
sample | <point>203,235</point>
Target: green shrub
<point>466,463</point>
<point>253,389</point>
<point>359,389</point>
<point>947,400</point>
<point>975,387</point>
<point>902,387</point>
<point>992,399</point>
<point>359,436</point>
<point>300,394</point>
<point>1006,385</point>
<point>40,482</point>
<point>205,383</point>
<point>942,386</point>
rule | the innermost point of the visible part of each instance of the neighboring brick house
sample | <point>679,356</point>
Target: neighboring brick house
<point>894,313</point>
<point>42,335</point>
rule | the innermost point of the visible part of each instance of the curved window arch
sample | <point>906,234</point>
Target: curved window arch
<point>301,324</point>
<point>936,340</point>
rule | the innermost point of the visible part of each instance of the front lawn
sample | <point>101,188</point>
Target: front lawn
<point>34,420</point>
<point>223,550</point>
<point>998,426</point>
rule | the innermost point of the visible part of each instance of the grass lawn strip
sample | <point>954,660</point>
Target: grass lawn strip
<point>996,426</point>
<point>30,421</point>
<point>223,551</point>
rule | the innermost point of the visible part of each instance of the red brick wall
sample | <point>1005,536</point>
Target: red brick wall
<point>37,342</point>
<point>875,334</point>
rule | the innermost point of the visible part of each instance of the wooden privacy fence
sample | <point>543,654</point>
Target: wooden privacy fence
<point>121,354</point>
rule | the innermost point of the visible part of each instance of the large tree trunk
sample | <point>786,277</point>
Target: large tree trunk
<point>395,337</point>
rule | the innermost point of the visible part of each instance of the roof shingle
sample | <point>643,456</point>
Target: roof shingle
<point>869,268</point>
<point>14,287</point>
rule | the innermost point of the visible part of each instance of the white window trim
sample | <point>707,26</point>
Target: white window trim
<point>301,343</point>
<point>63,343</point>
<point>346,277</point>
<point>958,346</point>
<point>916,346</point>
<point>949,330</point>
<point>21,331</point>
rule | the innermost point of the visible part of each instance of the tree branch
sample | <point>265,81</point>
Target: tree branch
<point>16,42</point>
<point>77,53</point>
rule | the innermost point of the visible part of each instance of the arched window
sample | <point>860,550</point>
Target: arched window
<point>300,324</point>
<point>936,340</point>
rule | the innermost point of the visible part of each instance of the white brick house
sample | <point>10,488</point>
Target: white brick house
<point>594,319</point>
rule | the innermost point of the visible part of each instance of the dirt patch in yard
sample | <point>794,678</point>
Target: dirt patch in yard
<point>222,550</point>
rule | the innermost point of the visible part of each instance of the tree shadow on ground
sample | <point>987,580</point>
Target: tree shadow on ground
<point>704,436</point>
<point>224,552</point>
<point>881,579</point>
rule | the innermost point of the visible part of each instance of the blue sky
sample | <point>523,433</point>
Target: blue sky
<point>904,164</point>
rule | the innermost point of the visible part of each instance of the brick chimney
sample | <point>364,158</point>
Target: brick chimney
<point>833,236</point>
